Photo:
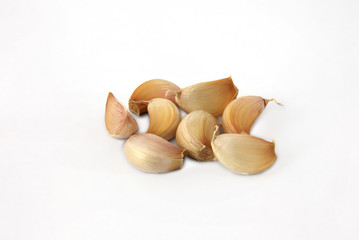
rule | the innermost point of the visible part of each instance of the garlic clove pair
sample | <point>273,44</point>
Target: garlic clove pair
<point>211,97</point>
<point>243,154</point>
<point>241,113</point>
<point>119,122</point>
<point>153,154</point>
<point>155,88</point>
<point>194,134</point>
<point>164,118</point>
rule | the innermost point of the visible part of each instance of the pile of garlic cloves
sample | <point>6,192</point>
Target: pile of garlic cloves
<point>198,134</point>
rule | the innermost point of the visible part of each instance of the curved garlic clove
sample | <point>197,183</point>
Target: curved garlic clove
<point>194,133</point>
<point>155,88</point>
<point>241,113</point>
<point>153,154</point>
<point>164,118</point>
<point>211,96</point>
<point>119,122</point>
<point>244,154</point>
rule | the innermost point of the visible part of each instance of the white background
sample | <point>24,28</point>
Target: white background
<point>63,177</point>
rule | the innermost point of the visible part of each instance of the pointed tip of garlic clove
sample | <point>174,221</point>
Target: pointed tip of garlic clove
<point>212,96</point>
<point>244,154</point>
<point>119,122</point>
<point>272,100</point>
<point>164,118</point>
<point>241,113</point>
<point>215,133</point>
<point>153,154</point>
<point>155,88</point>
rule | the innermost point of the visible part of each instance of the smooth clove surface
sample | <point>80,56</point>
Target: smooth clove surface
<point>211,97</point>
<point>119,122</point>
<point>164,118</point>
<point>243,154</point>
<point>153,154</point>
<point>241,113</point>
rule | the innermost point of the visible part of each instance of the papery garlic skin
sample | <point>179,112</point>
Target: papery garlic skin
<point>194,133</point>
<point>244,154</point>
<point>119,122</point>
<point>153,154</point>
<point>211,97</point>
<point>155,88</point>
<point>241,113</point>
<point>164,118</point>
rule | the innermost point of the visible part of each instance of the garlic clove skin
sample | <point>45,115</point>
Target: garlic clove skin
<point>119,122</point>
<point>241,113</point>
<point>164,118</point>
<point>211,97</point>
<point>153,154</point>
<point>155,88</point>
<point>194,133</point>
<point>244,154</point>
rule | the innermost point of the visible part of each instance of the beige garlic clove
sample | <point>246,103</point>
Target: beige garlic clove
<point>153,154</point>
<point>164,118</point>
<point>211,96</point>
<point>155,88</point>
<point>241,113</point>
<point>119,122</point>
<point>243,154</point>
<point>194,133</point>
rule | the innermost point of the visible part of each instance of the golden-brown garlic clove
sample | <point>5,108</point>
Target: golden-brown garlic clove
<point>155,88</point>
<point>211,97</point>
<point>164,118</point>
<point>119,122</point>
<point>244,154</point>
<point>194,133</point>
<point>153,154</point>
<point>241,113</point>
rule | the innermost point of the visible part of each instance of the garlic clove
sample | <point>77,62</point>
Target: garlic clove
<point>119,122</point>
<point>194,133</point>
<point>211,97</point>
<point>244,154</point>
<point>155,88</point>
<point>241,113</point>
<point>164,118</point>
<point>153,154</point>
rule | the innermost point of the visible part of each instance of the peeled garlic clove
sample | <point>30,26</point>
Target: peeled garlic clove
<point>194,134</point>
<point>211,96</point>
<point>155,88</point>
<point>153,154</point>
<point>164,118</point>
<point>244,154</point>
<point>119,122</point>
<point>241,113</point>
